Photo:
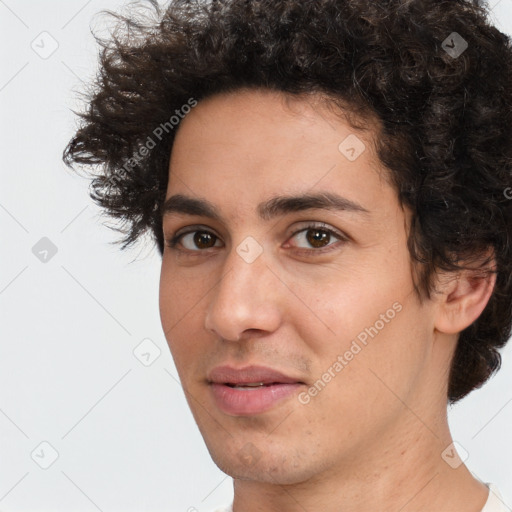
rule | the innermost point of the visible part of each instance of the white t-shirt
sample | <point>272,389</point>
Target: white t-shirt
<point>494,502</point>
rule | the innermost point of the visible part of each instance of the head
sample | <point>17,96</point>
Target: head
<point>228,129</point>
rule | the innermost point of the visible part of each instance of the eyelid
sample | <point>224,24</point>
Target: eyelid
<point>319,225</point>
<point>194,227</point>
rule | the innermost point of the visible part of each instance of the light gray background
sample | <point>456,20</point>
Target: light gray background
<point>69,378</point>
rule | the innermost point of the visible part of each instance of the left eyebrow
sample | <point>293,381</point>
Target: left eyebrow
<point>282,205</point>
<point>273,207</point>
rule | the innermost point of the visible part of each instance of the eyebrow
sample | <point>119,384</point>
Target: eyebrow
<point>273,207</point>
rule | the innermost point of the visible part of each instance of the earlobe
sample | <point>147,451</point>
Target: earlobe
<point>463,297</point>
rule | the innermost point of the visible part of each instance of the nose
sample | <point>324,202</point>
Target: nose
<point>245,301</point>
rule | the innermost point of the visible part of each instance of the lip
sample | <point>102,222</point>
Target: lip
<point>248,374</point>
<point>254,400</point>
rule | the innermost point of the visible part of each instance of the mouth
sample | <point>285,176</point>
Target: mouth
<point>249,385</point>
<point>250,390</point>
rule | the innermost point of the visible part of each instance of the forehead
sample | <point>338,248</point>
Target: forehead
<point>252,145</point>
<point>278,108</point>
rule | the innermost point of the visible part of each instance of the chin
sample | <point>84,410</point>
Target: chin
<point>272,468</point>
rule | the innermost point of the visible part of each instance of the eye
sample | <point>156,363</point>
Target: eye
<point>194,240</point>
<point>318,236</point>
<point>313,238</point>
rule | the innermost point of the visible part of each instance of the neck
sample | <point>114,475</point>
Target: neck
<point>403,470</point>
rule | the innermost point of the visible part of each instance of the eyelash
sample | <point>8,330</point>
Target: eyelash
<point>174,241</point>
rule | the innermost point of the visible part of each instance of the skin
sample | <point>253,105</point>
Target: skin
<point>373,437</point>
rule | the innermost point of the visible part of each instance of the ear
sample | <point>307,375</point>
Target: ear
<point>463,296</point>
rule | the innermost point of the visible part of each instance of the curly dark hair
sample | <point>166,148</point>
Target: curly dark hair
<point>445,112</point>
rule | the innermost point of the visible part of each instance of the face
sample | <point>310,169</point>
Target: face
<point>310,296</point>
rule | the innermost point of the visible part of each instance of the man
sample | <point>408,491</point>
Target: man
<point>327,184</point>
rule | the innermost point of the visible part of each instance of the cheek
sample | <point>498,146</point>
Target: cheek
<point>376,368</point>
<point>180,292</point>
<point>348,297</point>
<point>336,314</point>
<point>181,303</point>
<point>371,327</point>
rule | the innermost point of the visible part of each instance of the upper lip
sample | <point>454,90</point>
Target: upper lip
<point>248,375</point>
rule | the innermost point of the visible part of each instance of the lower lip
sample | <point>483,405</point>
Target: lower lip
<point>250,400</point>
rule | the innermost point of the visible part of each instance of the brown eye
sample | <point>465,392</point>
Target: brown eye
<point>203,239</point>
<point>318,237</point>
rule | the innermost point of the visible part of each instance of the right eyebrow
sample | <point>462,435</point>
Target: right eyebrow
<point>182,204</point>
